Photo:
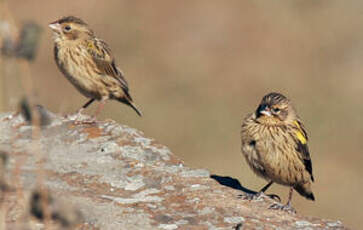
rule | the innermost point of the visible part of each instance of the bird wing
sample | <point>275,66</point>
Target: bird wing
<point>301,139</point>
<point>105,62</point>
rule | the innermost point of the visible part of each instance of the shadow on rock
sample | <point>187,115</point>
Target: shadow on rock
<point>235,184</point>
<point>232,183</point>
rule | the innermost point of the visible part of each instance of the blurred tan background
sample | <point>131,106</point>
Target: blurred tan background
<point>196,68</point>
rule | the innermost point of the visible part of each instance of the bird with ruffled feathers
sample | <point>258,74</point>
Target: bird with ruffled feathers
<point>274,143</point>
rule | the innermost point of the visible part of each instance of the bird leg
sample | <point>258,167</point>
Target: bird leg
<point>266,187</point>
<point>253,196</point>
<point>290,197</point>
<point>87,104</point>
<point>99,108</point>
<point>79,112</point>
<point>287,207</point>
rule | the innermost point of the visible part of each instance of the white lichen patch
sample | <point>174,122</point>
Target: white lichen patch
<point>234,219</point>
<point>142,196</point>
<point>168,226</point>
<point>135,184</point>
<point>302,223</point>
<point>195,187</point>
<point>334,224</point>
<point>170,187</point>
<point>206,210</point>
<point>109,147</point>
<point>195,173</point>
<point>133,200</point>
<point>146,143</point>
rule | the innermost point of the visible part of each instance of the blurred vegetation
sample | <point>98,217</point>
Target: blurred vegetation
<point>196,68</point>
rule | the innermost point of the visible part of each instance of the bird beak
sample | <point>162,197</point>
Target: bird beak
<point>266,112</point>
<point>56,27</point>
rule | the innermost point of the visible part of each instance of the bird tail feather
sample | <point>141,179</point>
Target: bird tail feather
<point>128,101</point>
<point>134,107</point>
<point>305,190</point>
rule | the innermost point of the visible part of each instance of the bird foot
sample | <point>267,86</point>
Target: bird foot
<point>258,196</point>
<point>286,208</point>
<point>79,119</point>
<point>274,197</point>
<point>251,196</point>
<point>92,120</point>
<point>73,116</point>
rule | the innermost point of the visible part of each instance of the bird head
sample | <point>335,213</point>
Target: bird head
<point>275,108</point>
<point>70,29</point>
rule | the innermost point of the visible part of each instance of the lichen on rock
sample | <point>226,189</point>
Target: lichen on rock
<point>120,179</point>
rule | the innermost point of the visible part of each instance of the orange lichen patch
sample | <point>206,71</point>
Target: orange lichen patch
<point>156,144</point>
<point>133,163</point>
<point>20,125</point>
<point>87,183</point>
<point>41,161</point>
<point>176,199</point>
<point>84,164</point>
<point>93,132</point>
<point>72,125</point>
<point>125,142</point>
<point>175,160</point>
<point>19,153</point>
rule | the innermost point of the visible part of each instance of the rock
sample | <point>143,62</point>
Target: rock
<point>120,179</point>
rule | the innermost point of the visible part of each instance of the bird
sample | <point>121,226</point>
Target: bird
<point>88,63</point>
<point>274,143</point>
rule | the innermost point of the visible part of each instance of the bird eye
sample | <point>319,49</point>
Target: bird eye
<point>67,28</point>
<point>276,110</point>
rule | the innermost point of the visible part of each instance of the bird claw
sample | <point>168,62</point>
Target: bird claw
<point>251,196</point>
<point>73,116</point>
<point>274,197</point>
<point>258,195</point>
<point>85,122</point>
<point>79,120</point>
<point>286,208</point>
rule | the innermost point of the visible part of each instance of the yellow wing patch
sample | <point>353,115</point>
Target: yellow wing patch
<point>301,137</point>
<point>90,45</point>
<point>93,49</point>
<point>299,134</point>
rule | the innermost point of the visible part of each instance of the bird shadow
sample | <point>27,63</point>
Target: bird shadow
<point>232,183</point>
<point>235,184</point>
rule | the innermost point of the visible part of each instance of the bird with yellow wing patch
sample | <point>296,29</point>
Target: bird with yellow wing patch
<point>274,143</point>
<point>87,62</point>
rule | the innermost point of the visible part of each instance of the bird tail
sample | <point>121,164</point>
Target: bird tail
<point>134,107</point>
<point>128,101</point>
<point>305,190</point>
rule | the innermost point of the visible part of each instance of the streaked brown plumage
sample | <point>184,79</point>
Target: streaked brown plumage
<point>274,143</point>
<point>87,62</point>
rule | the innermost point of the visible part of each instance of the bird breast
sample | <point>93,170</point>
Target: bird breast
<point>77,65</point>
<point>271,152</point>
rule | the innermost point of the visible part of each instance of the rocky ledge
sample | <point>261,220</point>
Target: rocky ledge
<point>110,176</point>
